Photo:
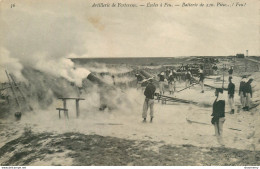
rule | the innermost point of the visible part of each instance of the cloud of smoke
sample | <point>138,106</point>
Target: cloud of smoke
<point>104,68</point>
<point>61,67</point>
<point>50,39</point>
<point>122,74</point>
<point>12,65</point>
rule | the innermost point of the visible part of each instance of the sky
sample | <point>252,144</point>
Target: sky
<point>52,29</point>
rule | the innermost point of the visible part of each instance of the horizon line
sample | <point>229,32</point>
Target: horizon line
<point>153,57</point>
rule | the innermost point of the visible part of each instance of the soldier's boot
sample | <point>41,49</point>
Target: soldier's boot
<point>144,120</point>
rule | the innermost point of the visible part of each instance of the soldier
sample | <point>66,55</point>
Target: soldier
<point>174,74</point>
<point>161,82</point>
<point>248,94</point>
<point>113,78</point>
<point>218,114</point>
<point>187,78</point>
<point>230,71</point>
<point>171,82</point>
<point>231,91</point>
<point>215,69</point>
<point>149,100</point>
<point>201,80</point>
<point>242,92</point>
<point>167,72</point>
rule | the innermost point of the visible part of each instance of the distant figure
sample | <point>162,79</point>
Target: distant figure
<point>201,67</point>
<point>139,79</point>
<point>187,78</point>
<point>167,72</point>
<point>218,114</point>
<point>113,78</point>
<point>182,68</point>
<point>215,69</point>
<point>171,82</point>
<point>161,83</point>
<point>231,91</point>
<point>248,94</point>
<point>187,67</point>
<point>18,115</point>
<point>149,100</point>
<point>230,71</point>
<point>201,80</point>
<point>174,74</point>
<point>178,76</point>
<point>242,93</point>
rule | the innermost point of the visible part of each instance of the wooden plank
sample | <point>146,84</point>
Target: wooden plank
<point>188,87</point>
<point>180,100</point>
<point>12,88</point>
<point>21,93</point>
<point>112,124</point>
<point>16,86</point>
<point>70,98</point>
<point>61,109</point>
<point>191,121</point>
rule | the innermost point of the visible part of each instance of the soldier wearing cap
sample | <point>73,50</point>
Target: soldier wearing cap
<point>218,114</point>
<point>231,92</point>
<point>149,100</point>
<point>242,93</point>
<point>248,94</point>
<point>230,71</point>
<point>161,82</point>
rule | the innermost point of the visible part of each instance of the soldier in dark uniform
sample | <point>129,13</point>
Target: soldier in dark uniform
<point>149,100</point>
<point>248,94</point>
<point>218,114</point>
<point>215,69</point>
<point>231,92</point>
<point>242,93</point>
<point>230,71</point>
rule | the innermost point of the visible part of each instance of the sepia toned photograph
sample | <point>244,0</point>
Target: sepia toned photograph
<point>129,83</point>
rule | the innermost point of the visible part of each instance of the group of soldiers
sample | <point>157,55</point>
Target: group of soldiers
<point>245,93</point>
<point>170,76</point>
<point>218,111</point>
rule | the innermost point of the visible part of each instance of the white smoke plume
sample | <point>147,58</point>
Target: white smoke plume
<point>61,67</point>
<point>45,47</point>
<point>104,68</point>
<point>12,65</point>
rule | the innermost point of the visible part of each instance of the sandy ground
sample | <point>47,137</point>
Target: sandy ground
<point>78,149</point>
<point>168,135</point>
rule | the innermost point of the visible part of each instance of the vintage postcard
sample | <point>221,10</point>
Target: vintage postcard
<point>129,83</point>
